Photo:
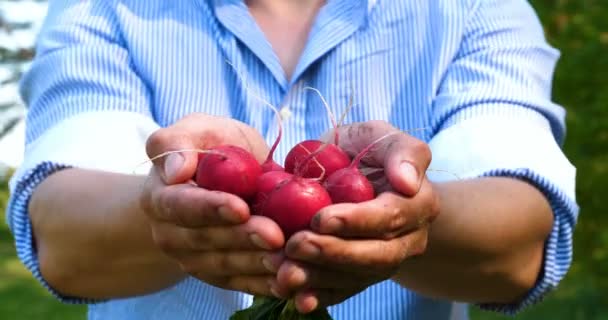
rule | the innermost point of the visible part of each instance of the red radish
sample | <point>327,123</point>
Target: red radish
<point>269,164</point>
<point>294,200</point>
<point>293,203</point>
<point>229,169</point>
<point>349,184</point>
<point>266,183</point>
<point>326,162</point>
<point>331,159</point>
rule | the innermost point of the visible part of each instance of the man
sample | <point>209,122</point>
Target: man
<point>115,82</point>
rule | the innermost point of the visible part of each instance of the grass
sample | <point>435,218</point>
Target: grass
<point>580,30</point>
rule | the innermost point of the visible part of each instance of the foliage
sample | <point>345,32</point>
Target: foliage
<point>580,30</point>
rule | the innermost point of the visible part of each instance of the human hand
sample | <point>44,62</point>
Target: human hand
<point>353,246</point>
<point>210,234</point>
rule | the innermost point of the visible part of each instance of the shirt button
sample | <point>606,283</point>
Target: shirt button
<point>285,113</point>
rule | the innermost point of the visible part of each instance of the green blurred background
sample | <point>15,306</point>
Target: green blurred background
<point>580,30</point>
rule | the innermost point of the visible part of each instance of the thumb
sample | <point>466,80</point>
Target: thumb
<point>179,167</point>
<point>403,157</point>
<point>405,162</point>
<point>179,164</point>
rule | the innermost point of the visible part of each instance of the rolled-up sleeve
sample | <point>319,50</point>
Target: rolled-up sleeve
<point>493,116</point>
<point>87,108</point>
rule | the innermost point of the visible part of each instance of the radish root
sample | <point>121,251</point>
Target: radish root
<point>351,100</point>
<point>310,157</point>
<point>164,154</point>
<point>329,112</point>
<point>445,171</point>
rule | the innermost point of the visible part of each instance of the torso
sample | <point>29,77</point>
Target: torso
<point>391,56</point>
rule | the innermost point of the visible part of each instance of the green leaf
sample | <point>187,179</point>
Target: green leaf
<point>291,313</point>
<point>267,308</point>
<point>261,309</point>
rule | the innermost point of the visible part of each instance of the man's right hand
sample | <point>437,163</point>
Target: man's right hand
<point>210,234</point>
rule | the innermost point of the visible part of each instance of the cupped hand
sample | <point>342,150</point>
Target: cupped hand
<point>210,234</point>
<point>353,246</point>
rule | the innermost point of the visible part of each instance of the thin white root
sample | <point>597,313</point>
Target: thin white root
<point>417,129</point>
<point>278,114</point>
<point>250,91</point>
<point>298,166</point>
<point>164,154</point>
<point>351,101</point>
<point>329,112</point>
<point>445,171</point>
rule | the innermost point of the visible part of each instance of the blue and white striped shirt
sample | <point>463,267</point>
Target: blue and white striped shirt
<point>477,73</point>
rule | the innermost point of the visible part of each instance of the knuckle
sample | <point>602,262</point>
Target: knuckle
<point>198,239</point>
<point>379,123</point>
<point>367,128</point>
<point>164,242</point>
<point>189,267</point>
<point>165,203</point>
<point>244,284</point>
<point>396,220</point>
<point>388,258</point>
<point>156,140</point>
<point>145,200</point>
<point>224,262</point>
<point>394,215</point>
<point>434,207</point>
<point>420,245</point>
<point>422,150</point>
<point>219,282</point>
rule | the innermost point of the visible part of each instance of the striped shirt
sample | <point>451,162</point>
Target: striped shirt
<point>475,74</point>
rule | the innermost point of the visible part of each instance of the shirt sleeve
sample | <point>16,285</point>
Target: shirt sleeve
<point>493,116</point>
<point>87,108</point>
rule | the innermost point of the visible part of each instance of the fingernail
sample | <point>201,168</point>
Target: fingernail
<point>228,215</point>
<point>298,276</point>
<point>267,262</point>
<point>309,250</point>
<point>334,224</point>
<point>273,288</point>
<point>173,164</point>
<point>410,174</point>
<point>257,240</point>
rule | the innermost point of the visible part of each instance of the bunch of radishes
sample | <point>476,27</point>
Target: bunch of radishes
<point>315,174</point>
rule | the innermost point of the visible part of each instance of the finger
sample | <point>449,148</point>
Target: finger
<point>175,167</point>
<point>258,233</point>
<point>254,285</point>
<point>229,264</point>
<point>388,216</point>
<point>293,276</point>
<point>403,157</point>
<point>194,133</point>
<point>380,257</point>
<point>193,207</point>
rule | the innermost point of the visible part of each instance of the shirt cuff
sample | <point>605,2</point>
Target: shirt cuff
<point>523,148</point>
<point>109,141</point>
